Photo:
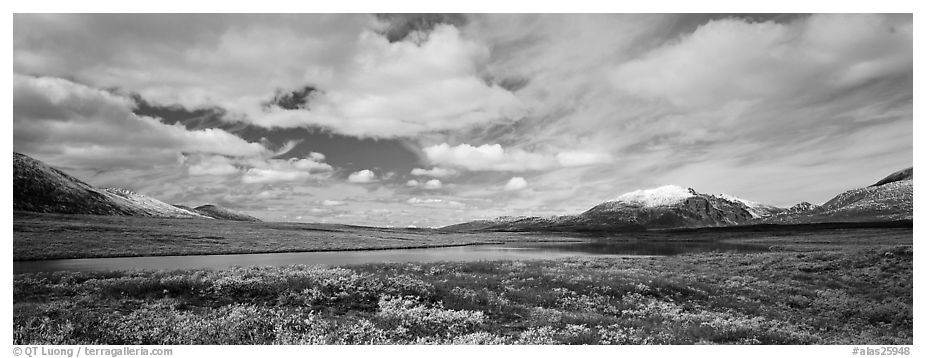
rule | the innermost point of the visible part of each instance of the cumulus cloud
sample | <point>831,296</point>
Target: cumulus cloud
<point>333,203</point>
<point>265,170</point>
<point>594,105</point>
<point>436,172</point>
<point>516,183</point>
<point>196,60</point>
<point>496,157</point>
<point>434,202</point>
<point>361,83</point>
<point>402,89</point>
<point>318,157</point>
<point>66,122</point>
<point>487,157</point>
<point>258,169</point>
<point>412,183</point>
<point>362,176</point>
<point>433,184</point>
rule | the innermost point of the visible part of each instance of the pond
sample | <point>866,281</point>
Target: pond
<point>509,251</point>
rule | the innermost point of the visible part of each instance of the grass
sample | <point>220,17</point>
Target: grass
<point>812,291</point>
<point>56,236</point>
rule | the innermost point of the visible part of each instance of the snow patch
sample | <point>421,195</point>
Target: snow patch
<point>148,204</point>
<point>662,196</point>
<point>757,210</point>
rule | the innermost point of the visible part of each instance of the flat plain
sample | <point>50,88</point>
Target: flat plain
<point>833,286</point>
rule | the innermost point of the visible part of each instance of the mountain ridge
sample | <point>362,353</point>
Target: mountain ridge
<point>39,187</point>
<point>673,207</point>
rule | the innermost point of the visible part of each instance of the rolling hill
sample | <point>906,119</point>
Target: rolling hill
<point>218,212</point>
<point>38,187</point>
<point>889,199</point>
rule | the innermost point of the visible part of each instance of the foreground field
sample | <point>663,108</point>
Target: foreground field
<point>810,292</point>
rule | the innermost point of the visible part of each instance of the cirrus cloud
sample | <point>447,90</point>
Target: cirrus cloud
<point>740,60</point>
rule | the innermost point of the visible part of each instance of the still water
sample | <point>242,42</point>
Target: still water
<point>511,251</point>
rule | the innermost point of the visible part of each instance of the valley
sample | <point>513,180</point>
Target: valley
<point>655,266</point>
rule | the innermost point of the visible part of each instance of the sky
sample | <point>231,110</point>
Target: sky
<point>434,119</point>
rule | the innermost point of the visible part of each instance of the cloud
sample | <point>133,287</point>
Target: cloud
<point>318,157</point>
<point>739,60</point>
<point>65,122</point>
<point>402,89</point>
<point>433,184</point>
<point>487,157</point>
<point>264,171</point>
<point>433,202</point>
<point>436,172</point>
<point>213,165</point>
<point>400,26</point>
<point>516,183</point>
<point>264,176</point>
<point>196,60</point>
<point>580,158</point>
<point>333,203</point>
<point>495,157</point>
<point>331,71</point>
<point>412,183</point>
<point>363,176</point>
<point>309,164</point>
<point>591,105</point>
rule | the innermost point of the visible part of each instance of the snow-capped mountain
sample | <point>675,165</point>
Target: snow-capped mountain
<point>662,196</point>
<point>668,206</point>
<point>800,208</point>
<point>671,206</point>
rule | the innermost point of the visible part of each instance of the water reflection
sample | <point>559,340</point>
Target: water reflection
<point>659,248</point>
<point>515,251</point>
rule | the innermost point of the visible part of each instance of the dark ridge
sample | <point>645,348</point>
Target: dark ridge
<point>896,176</point>
<point>797,227</point>
<point>37,187</point>
<point>218,212</point>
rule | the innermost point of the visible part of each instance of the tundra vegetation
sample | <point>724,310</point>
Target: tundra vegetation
<point>805,291</point>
